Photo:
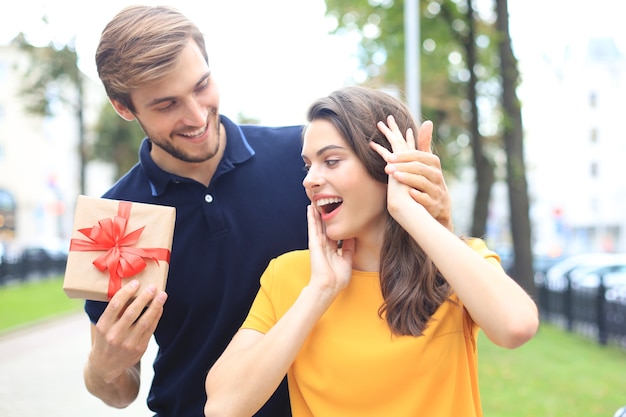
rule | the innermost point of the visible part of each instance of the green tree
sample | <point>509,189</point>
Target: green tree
<point>379,26</point>
<point>465,59</point>
<point>453,70</point>
<point>54,76</point>
<point>116,140</point>
<point>463,18</point>
<point>514,145</point>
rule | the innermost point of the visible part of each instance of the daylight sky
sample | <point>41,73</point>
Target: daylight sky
<point>273,57</point>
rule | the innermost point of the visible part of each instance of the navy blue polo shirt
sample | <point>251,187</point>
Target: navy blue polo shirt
<point>224,237</point>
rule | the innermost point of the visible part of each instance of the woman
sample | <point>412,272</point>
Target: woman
<point>380,316</point>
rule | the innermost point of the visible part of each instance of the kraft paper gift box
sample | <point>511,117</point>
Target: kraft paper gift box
<point>114,242</point>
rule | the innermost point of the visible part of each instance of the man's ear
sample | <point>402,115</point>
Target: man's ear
<point>122,110</point>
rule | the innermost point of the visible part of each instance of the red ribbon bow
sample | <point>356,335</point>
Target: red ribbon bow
<point>121,259</point>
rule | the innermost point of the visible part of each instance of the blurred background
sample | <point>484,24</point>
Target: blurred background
<point>526,97</point>
<point>559,165</point>
<point>59,138</point>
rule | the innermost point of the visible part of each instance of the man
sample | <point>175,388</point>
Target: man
<point>239,203</point>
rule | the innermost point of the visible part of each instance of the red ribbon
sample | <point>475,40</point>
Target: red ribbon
<point>121,259</point>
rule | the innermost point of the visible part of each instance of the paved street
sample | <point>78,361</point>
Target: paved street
<point>41,373</point>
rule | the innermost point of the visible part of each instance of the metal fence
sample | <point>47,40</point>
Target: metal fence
<point>597,312</point>
<point>30,265</point>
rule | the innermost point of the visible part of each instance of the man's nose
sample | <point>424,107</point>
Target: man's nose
<point>195,113</point>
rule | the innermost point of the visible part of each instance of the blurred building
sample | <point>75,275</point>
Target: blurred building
<point>575,153</point>
<point>576,148</point>
<point>39,164</point>
<point>575,156</point>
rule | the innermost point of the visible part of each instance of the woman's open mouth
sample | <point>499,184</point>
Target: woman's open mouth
<point>328,205</point>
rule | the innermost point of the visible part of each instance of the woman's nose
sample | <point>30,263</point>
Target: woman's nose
<point>312,179</point>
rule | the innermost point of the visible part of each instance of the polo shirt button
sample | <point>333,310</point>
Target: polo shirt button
<point>208,198</point>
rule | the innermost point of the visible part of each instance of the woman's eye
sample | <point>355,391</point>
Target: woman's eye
<point>331,162</point>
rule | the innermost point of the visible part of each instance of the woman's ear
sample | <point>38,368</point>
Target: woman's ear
<point>122,110</point>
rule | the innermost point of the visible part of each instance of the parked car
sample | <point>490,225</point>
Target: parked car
<point>541,265</point>
<point>3,267</point>
<point>621,412</point>
<point>616,294</point>
<point>576,267</point>
<point>541,262</point>
<point>611,274</point>
<point>43,259</point>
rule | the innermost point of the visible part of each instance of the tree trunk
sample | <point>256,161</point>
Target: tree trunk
<point>482,164</point>
<point>513,137</point>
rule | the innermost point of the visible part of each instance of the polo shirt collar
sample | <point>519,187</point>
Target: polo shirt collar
<point>237,150</point>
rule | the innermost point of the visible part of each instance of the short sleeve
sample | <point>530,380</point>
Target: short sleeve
<point>480,246</point>
<point>261,316</point>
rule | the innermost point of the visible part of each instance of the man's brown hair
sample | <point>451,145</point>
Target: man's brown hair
<point>141,44</point>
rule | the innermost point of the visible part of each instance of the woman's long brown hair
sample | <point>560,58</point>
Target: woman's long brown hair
<point>411,285</point>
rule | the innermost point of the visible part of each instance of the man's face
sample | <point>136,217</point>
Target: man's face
<point>180,113</point>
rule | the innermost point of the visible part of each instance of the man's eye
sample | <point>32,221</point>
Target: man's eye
<point>166,108</point>
<point>203,86</point>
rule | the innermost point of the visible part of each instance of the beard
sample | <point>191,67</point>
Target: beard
<point>183,155</point>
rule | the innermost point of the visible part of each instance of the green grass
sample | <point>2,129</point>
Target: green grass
<point>31,301</point>
<point>555,374</point>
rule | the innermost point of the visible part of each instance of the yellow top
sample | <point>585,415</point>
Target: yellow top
<point>352,365</point>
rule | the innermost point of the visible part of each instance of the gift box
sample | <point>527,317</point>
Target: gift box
<point>114,242</point>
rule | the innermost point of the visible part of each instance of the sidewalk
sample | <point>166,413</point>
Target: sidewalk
<point>41,373</point>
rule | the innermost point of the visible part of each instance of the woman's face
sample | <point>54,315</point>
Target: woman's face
<point>351,202</point>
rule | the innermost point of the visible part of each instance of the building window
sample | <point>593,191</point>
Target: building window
<point>594,135</point>
<point>593,99</point>
<point>593,171</point>
<point>4,70</point>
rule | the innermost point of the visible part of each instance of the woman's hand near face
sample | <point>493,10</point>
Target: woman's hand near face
<point>399,195</point>
<point>331,267</point>
<point>419,169</point>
